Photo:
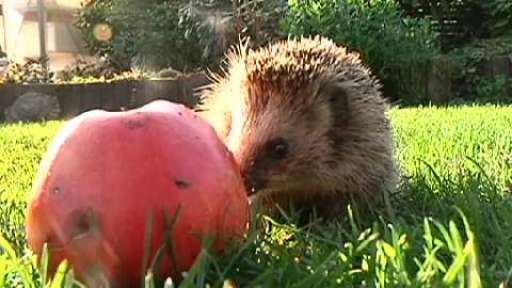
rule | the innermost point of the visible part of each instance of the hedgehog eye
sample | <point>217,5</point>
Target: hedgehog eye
<point>278,148</point>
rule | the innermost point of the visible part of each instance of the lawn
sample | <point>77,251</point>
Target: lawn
<point>450,222</point>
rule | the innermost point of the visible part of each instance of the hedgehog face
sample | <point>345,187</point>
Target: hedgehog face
<point>282,147</point>
<point>304,118</point>
<point>280,110</point>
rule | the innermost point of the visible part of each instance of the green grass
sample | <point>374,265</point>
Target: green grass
<point>450,224</point>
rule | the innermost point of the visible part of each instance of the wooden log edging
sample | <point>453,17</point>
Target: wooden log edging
<point>112,96</point>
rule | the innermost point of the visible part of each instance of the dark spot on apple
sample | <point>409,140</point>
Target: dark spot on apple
<point>83,226</point>
<point>179,113</point>
<point>135,124</point>
<point>56,190</point>
<point>182,183</point>
<point>83,222</point>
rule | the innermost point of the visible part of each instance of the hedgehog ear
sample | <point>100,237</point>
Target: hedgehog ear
<point>337,97</point>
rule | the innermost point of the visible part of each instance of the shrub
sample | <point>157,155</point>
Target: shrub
<point>92,14</point>
<point>395,47</point>
<point>460,21</point>
<point>154,34</point>
<point>261,19</point>
<point>178,33</point>
<point>32,71</point>
<point>456,21</point>
<point>475,84</point>
<point>168,36</point>
<point>84,72</point>
<point>499,20</point>
<point>492,89</point>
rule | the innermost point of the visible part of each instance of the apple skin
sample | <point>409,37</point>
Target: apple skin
<point>106,174</point>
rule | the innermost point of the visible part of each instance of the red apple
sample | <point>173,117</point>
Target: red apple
<point>107,173</point>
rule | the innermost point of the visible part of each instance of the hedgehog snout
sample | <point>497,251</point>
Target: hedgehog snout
<point>254,183</point>
<point>254,180</point>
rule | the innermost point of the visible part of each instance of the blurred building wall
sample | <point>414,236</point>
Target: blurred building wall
<point>63,40</point>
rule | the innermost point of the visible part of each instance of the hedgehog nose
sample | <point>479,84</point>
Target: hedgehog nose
<point>253,181</point>
<point>253,185</point>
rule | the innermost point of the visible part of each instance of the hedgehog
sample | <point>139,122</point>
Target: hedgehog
<point>307,123</point>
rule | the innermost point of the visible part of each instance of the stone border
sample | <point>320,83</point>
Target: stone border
<point>438,81</point>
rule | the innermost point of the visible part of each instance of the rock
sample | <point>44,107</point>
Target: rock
<point>33,106</point>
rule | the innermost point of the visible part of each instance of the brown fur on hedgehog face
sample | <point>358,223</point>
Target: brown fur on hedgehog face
<point>305,120</point>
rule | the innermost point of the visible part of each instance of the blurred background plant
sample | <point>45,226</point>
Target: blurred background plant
<point>419,49</point>
<point>185,35</point>
<point>397,48</point>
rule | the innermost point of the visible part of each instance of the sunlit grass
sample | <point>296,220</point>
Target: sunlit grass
<point>451,223</point>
